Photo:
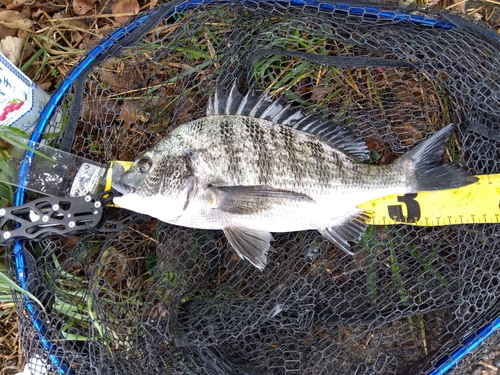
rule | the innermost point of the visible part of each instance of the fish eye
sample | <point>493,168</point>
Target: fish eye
<point>143,165</point>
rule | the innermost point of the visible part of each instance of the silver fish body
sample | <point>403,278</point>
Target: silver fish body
<point>252,167</point>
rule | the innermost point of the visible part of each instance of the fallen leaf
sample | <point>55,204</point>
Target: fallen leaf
<point>5,31</point>
<point>46,6</point>
<point>45,86</point>
<point>458,5</point>
<point>186,108</point>
<point>11,47</point>
<point>408,134</point>
<point>14,20</point>
<point>89,42</point>
<point>84,7</point>
<point>124,6</point>
<point>130,113</point>
<point>119,76</point>
<point>18,4</point>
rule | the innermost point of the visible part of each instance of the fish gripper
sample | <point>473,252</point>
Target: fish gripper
<point>42,217</point>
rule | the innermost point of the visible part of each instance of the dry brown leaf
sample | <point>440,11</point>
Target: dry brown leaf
<point>18,4</point>
<point>130,113</point>
<point>119,76</point>
<point>124,6</point>
<point>5,31</point>
<point>14,20</point>
<point>46,6</point>
<point>45,86</point>
<point>88,42</point>
<point>186,108</point>
<point>11,47</point>
<point>84,7</point>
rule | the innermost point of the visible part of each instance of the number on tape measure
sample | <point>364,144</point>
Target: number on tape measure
<point>412,209</point>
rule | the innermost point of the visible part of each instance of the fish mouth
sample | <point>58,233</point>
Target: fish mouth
<point>123,188</point>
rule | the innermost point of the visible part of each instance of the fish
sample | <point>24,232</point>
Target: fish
<point>255,166</point>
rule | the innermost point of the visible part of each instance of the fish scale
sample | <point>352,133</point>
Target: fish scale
<point>289,163</point>
<point>314,169</point>
<point>227,133</point>
<point>253,166</point>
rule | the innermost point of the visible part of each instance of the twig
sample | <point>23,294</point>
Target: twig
<point>94,16</point>
<point>490,366</point>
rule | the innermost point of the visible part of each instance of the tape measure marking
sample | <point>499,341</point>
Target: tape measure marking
<point>472,204</point>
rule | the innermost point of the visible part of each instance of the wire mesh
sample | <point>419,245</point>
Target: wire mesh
<point>158,298</point>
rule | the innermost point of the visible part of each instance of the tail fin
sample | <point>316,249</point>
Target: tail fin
<point>425,162</point>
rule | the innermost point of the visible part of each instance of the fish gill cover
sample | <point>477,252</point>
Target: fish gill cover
<point>164,299</point>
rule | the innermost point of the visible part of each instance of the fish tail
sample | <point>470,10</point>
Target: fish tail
<point>425,163</point>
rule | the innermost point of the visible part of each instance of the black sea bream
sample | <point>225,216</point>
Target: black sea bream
<point>253,166</point>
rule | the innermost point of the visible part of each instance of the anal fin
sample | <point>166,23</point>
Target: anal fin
<point>350,229</point>
<point>250,244</point>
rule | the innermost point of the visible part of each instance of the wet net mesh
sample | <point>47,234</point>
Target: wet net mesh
<point>162,299</point>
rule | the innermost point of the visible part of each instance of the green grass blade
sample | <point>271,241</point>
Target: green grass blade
<point>4,279</point>
<point>12,135</point>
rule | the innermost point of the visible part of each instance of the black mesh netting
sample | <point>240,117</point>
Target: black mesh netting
<point>158,299</point>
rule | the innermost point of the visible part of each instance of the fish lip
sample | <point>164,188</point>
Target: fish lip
<point>123,188</point>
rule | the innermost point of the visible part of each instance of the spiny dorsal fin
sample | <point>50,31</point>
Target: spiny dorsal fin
<point>252,105</point>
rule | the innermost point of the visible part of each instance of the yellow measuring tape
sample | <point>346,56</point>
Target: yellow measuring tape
<point>475,203</point>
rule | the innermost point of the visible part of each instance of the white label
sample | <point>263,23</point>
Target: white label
<point>21,100</point>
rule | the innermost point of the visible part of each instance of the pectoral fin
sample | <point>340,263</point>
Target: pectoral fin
<point>246,200</point>
<point>350,229</point>
<point>250,244</point>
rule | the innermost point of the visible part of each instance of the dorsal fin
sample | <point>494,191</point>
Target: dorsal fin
<point>252,105</point>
